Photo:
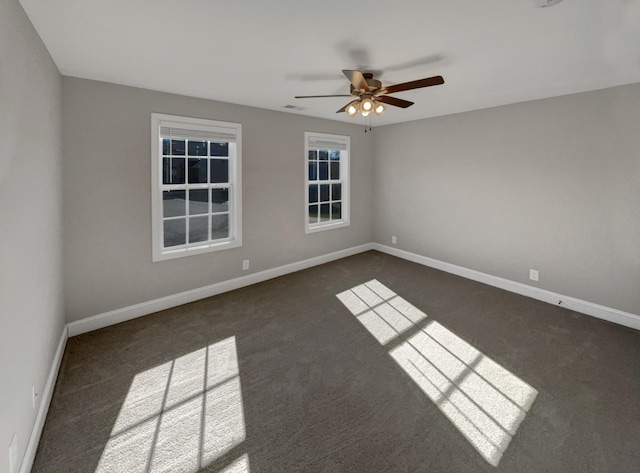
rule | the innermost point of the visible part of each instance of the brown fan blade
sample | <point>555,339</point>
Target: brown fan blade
<point>357,79</point>
<point>344,109</point>
<point>318,96</point>
<point>416,84</point>
<point>394,101</point>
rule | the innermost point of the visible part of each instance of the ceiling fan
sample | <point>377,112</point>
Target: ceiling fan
<point>371,96</point>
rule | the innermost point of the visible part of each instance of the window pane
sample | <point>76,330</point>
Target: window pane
<point>198,229</point>
<point>313,214</point>
<point>175,232</point>
<point>323,155</point>
<point>173,170</point>
<point>313,171</point>
<point>197,148</point>
<point>313,193</point>
<point>219,200</point>
<point>313,154</point>
<point>197,170</point>
<point>166,170</point>
<point>336,191</point>
<point>219,226</point>
<point>335,169</point>
<point>324,171</point>
<point>177,147</point>
<point>219,170</point>
<point>324,193</point>
<point>218,149</point>
<point>173,203</point>
<point>336,211</point>
<point>198,201</point>
<point>324,213</point>
<point>334,155</point>
<point>165,146</point>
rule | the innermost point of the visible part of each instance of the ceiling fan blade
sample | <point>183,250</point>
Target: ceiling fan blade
<point>318,96</point>
<point>416,84</point>
<point>344,109</point>
<point>357,79</point>
<point>394,101</point>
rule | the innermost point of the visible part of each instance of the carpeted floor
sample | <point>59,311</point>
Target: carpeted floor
<point>366,364</point>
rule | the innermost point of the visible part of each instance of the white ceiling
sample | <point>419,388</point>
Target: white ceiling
<point>262,53</point>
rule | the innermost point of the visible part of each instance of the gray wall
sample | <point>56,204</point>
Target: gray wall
<point>31,310</point>
<point>552,185</point>
<point>107,196</point>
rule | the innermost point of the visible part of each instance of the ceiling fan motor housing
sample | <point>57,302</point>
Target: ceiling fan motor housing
<point>373,84</point>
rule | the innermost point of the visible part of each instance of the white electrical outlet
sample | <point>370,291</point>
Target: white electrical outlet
<point>13,454</point>
<point>534,275</point>
<point>245,265</point>
<point>394,240</point>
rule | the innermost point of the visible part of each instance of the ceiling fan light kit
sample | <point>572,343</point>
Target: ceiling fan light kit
<point>365,107</point>
<point>371,96</point>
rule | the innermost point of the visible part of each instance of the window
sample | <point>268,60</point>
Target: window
<point>327,181</point>
<point>196,186</point>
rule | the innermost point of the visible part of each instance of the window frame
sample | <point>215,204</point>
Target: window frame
<point>344,180</point>
<point>234,240</point>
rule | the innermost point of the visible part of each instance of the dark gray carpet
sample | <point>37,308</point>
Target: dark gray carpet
<point>312,390</point>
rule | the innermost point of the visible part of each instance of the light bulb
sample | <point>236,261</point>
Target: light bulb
<point>352,110</point>
<point>367,105</point>
<point>365,112</point>
<point>380,108</point>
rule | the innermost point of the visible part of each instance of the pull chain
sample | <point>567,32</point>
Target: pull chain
<point>365,123</point>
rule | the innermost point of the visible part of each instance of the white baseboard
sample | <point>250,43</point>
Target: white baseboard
<point>138,310</point>
<point>606,313</point>
<point>45,401</point>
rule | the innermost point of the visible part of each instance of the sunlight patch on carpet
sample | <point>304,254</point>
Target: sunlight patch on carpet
<point>385,314</point>
<point>180,416</point>
<point>241,465</point>
<point>483,400</point>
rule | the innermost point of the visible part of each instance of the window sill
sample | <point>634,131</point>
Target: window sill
<point>326,226</point>
<point>197,250</point>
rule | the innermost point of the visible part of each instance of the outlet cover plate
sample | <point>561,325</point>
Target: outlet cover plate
<point>534,275</point>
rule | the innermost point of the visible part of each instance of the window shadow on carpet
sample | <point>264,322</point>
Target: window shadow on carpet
<point>483,400</point>
<point>181,415</point>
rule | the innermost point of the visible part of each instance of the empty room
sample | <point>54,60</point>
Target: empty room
<point>289,236</point>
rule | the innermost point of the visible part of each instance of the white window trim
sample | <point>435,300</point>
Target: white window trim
<point>345,173</point>
<point>235,180</point>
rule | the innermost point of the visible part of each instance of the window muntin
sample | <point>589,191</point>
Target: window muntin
<point>196,186</point>
<point>327,181</point>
